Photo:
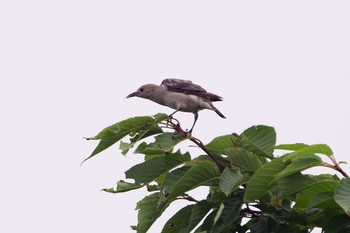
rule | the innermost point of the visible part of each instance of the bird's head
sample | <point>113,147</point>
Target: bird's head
<point>144,91</point>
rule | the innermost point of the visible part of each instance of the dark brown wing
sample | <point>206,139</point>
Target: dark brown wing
<point>189,88</point>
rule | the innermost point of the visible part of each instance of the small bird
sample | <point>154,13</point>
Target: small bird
<point>181,95</point>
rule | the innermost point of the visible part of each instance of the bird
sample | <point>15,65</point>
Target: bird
<point>181,95</point>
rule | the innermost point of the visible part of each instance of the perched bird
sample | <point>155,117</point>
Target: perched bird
<point>181,95</point>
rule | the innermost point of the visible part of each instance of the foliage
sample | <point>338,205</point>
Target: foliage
<point>249,188</point>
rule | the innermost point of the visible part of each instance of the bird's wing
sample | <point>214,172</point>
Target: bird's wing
<point>183,86</point>
<point>189,88</point>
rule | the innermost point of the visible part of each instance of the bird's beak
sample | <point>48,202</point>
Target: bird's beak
<point>132,95</point>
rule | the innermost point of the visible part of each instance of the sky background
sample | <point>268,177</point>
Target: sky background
<point>66,67</point>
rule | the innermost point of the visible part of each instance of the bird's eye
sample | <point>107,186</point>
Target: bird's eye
<point>141,89</point>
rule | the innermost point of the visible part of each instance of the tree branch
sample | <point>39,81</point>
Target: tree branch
<point>336,166</point>
<point>176,126</point>
<point>209,153</point>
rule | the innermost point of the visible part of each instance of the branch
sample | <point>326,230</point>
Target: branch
<point>176,126</point>
<point>209,153</point>
<point>336,166</point>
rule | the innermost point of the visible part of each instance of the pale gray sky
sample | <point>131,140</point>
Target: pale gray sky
<point>66,67</point>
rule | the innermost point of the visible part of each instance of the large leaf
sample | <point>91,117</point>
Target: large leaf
<point>246,160</point>
<point>230,180</point>
<point>291,184</point>
<point>294,147</point>
<point>116,132</point>
<point>259,140</point>
<point>300,163</point>
<point>303,149</point>
<point>150,208</point>
<point>342,195</point>
<point>208,222</point>
<point>187,218</point>
<point>229,214</point>
<point>338,224</point>
<point>316,149</point>
<point>173,177</point>
<point>197,175</point>
<point>320,194</point>
<point>263,224</point>
<point>259,183</point>
<point>151,169</point>
<point>222,144</point>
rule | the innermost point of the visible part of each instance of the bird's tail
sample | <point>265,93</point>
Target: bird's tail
<point>218,112</point>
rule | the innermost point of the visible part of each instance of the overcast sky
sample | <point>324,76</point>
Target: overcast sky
<point>66,66</point>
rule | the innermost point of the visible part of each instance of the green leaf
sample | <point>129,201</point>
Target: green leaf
<point>123,186</point>
<point>294,147</point>
<point>338,224</point>
<point>125,147</point>
<point>230,180</point>
<point>246,160</point>
<point>149,153</point>
<point>142,134</point>
<point>151,169</point>
<point>116,132</point>
<point>300,164</point>
<point>222,144</point>
<point>291,184</point>
<point>153,187</point>
<point>316,195</point>
<point>259,183</point>
<point>173,177</point>
<point>150,208</point>
<point>259,140</point>
<point>165,142</point>
<point>227,216</point>
<point>315,149</point>
<point>179,222</point>
<point>342,195</point>
<point>199,211</point>
<point>197,175</point>
<point>187,218</point>
<point>207,223</point>
<point>263,225</point>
